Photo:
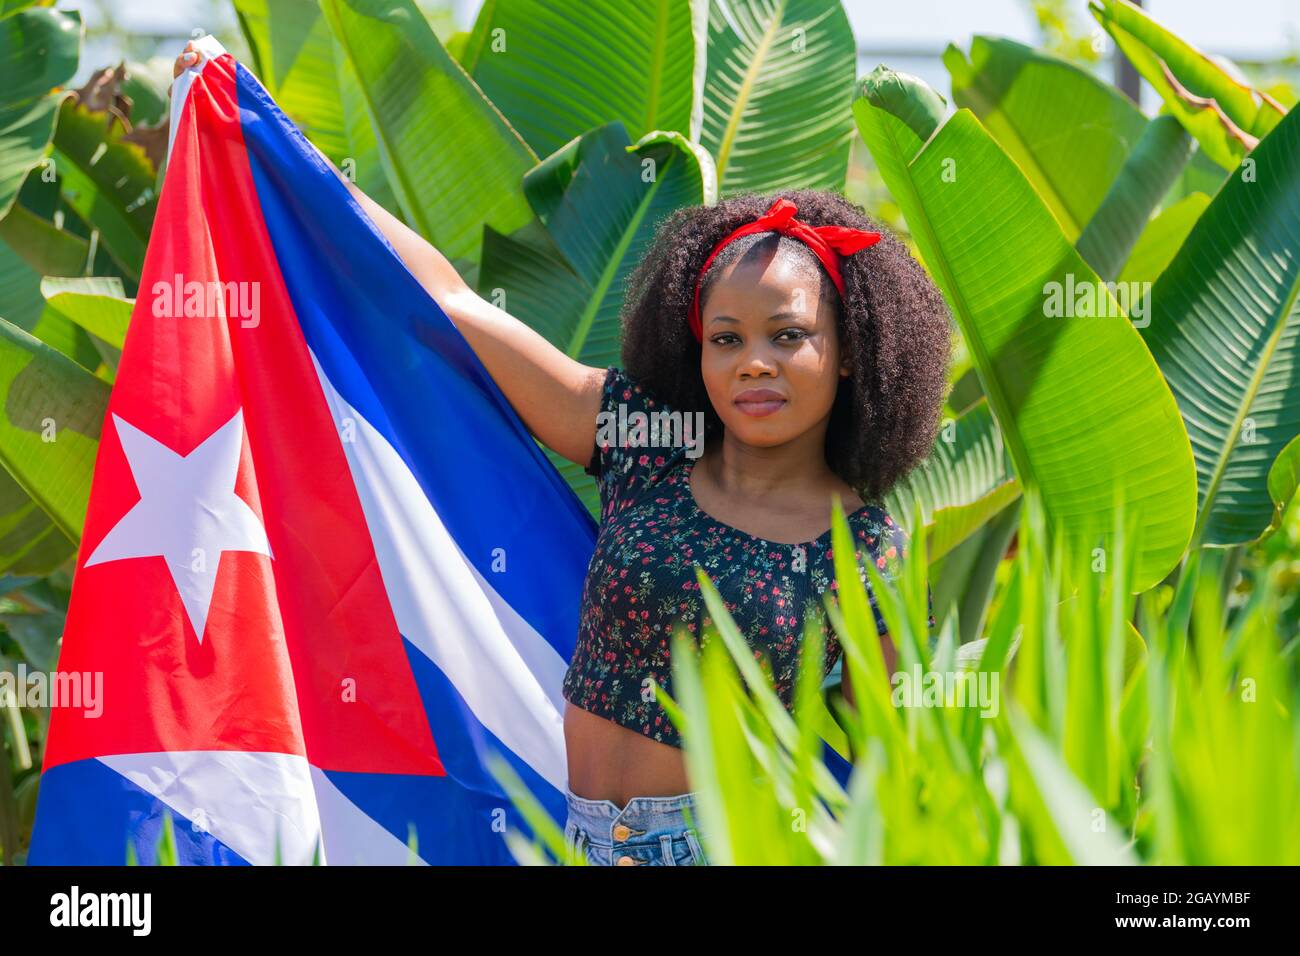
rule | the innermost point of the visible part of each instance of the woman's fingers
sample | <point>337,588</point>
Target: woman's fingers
<point>189,57</point>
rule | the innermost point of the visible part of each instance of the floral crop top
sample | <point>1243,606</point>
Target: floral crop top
<point>641,580</point>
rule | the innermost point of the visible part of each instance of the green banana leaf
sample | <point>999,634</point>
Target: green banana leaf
<point>96,304</point>
<point>598,210</point>
<point>1283,478</point>
<point>453,161</point>
<point>964,578</point>
<point>1146,177</point>
<point>29,541</point>
<point>39,49</point>
<point>1226,116</point>
<point>1080,403</point>
<point>1069,132</point>
<point>963,483</point>
<point>49,433</point>
<point>30,247</point>
<point>1225,333</point>
<point>777,94</point>
<point>1162,238</point>
<point>558,68</point>
<point>303,67</point>
<point>107,180</point>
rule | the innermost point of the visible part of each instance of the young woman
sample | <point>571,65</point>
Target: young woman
<point>817,350</point>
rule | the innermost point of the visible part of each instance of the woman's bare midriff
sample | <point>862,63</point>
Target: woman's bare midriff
<point>610,762</point>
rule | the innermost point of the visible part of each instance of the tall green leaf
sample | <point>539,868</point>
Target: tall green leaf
<point>1226,116</point>
<point>39,49</point>
<point>963,483</point>
<point>1069,132</point>
<point>1226,332</point>
<point>1145,178</point>
<point>453,161</point>
<point>1162,238</point>
<point>49,432</point>
<point>303,67</point>
<point>558,68</point>
<point>107,180</point>
<point>777,94</point>
<point>998,255</point>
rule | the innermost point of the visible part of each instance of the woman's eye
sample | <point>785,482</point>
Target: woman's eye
<point>725,338</point>
<point>792,335</point>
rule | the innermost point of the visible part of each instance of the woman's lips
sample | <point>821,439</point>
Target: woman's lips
<point>758,402</point>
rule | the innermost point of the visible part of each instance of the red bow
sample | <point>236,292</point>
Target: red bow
<point>828,243</point>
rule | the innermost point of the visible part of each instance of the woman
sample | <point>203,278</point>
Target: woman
<point>816,350</point>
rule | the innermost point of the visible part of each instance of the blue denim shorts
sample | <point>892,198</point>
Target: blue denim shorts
<point>649,831</point>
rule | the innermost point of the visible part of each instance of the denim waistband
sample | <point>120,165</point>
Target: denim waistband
<point>599,817</point>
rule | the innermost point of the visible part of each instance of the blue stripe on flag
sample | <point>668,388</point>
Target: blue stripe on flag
<point>86,812</point>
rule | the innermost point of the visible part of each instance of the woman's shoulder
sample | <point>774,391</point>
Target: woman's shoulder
<point>621,388</point>
<point>637,436</point>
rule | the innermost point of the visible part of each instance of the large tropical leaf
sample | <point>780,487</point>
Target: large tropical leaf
<point>1225,332</point>
<point>963,483</point>
<point>1080,403</point>
<point>1226,115</point>
<point>39,49</point>
<point>303,67</point>
<point>558,68</point>
<point>97,305</point>
<point>1283,478</point>
<point>452,160</point>
<point>776,102</point>
<point>598,200</point>
<point>1162,238</point>
<point>108,180</point>
<point>1069,132</point>
<point>1147,175</point>
<point>30,247</point>
<point>29,541</point>
<point>49,432</point>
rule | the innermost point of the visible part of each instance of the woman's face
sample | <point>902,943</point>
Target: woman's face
<point>771,357</point>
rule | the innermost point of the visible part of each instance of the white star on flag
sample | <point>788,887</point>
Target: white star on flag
<point>188,512</point>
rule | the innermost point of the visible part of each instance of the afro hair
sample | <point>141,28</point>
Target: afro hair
<point>892,322</point>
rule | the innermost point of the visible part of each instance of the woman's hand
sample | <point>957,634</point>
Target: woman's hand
<point>189,57</point>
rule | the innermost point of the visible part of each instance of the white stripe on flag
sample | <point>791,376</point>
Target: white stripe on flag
<point>508,674</point>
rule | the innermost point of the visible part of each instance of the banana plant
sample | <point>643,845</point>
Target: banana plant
<point>557,70</point>
<point>1227,116</point>
<point>453,161</point>
<point>1100,165</point>
<point>1225,331</point>
<point>304,68</point>
<point>39,48</point>
<point>777,94</point>
<point>1080,403</point>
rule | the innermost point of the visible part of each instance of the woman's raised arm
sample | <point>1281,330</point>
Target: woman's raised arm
<point>556,396</point>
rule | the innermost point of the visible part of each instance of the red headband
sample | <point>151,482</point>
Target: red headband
<point>828,243</point>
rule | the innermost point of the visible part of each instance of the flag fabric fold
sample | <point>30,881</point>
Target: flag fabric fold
<point>326,573</point>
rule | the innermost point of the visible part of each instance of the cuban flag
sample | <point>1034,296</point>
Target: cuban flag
<point>326,572</point>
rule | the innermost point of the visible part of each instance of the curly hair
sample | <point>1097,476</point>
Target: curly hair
<point>892,322</point>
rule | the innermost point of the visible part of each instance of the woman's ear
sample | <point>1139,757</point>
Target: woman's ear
<point>846,368</point>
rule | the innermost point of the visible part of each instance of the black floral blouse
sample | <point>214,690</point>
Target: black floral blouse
<point>641,579</point>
